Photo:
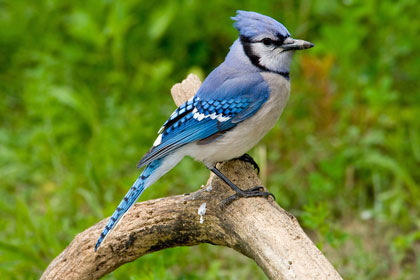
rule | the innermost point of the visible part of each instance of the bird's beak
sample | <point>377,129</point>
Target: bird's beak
<point>295,44</point>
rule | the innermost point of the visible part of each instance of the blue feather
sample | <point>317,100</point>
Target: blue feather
<point>132,195</point>
<point>251,24</point>
<point>245,96</point>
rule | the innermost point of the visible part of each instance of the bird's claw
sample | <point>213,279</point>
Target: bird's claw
<point>257,191</point>
<point>247,158</point>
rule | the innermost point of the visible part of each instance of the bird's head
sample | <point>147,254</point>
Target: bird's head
<point>266,42</point>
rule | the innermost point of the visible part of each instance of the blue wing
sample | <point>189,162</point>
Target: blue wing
<point>209,113</point>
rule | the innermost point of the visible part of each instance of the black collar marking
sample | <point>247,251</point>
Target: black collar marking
<point>255,59</point>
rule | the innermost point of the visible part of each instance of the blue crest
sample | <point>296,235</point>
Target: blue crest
<point>252,24</point>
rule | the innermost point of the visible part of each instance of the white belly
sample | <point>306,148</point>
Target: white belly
<point>248,133</point>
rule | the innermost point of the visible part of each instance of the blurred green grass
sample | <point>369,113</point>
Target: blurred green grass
<point>84,86</point>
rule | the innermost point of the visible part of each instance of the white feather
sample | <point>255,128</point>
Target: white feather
<point>221,118</point>
<point>158,141</point>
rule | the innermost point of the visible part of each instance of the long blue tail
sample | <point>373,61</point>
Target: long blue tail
<point>133,194</point>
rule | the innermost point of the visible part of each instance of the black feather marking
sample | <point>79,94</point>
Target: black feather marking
<point>181,112</point>
<point>255,59</point>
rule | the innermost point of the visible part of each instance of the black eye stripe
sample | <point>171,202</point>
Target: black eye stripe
<point>268,41</point>
<point>278,42</point>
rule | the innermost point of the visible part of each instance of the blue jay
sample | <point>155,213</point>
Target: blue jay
<point>237,104</point>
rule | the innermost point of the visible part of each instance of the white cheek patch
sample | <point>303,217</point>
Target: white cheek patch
<point>274,59</point>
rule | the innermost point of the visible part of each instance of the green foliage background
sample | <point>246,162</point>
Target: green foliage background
<point>84,86</point>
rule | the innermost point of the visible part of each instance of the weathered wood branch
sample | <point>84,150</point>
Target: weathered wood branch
<point>255,227</point>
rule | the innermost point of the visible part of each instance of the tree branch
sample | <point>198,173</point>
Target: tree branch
<point>256,227</point>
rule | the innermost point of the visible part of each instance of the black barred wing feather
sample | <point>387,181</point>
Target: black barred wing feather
<point>195,120</point>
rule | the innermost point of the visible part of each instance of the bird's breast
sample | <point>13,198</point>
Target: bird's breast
<point>271,110</point>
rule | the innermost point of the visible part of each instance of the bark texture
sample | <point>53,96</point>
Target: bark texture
<point>256,227</point>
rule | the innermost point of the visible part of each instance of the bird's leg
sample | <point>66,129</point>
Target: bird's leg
<point>249,159</point>
<point>252,192</point>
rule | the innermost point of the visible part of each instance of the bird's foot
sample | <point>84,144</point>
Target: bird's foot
<point>257,191</point>
<point>249,159</point>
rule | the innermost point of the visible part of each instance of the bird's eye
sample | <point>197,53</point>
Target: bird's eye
<point>267,41</point>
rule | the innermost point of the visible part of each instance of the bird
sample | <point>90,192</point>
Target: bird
<point>236,105</point>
